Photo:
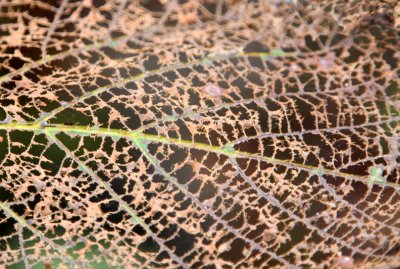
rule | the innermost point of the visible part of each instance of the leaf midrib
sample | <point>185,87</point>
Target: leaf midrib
<point>138,135</point>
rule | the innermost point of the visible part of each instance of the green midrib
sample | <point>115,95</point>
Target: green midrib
<point>226,150</point>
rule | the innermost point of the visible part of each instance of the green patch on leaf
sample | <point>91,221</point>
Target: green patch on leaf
<point>376,176</point>
<point>228,148</point>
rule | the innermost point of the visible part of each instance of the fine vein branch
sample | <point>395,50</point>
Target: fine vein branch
<point>60,249</point>
<point>208,59</point>
<point>96,45</point>
<point>134,217</point>
<point>139,135</point>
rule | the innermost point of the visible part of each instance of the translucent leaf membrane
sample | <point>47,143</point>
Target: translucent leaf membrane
<point>199,134</point>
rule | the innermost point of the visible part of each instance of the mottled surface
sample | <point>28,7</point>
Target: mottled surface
<point>199,134</point>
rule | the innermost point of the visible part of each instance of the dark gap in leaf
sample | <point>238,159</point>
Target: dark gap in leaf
<point>111,206</point>
<point>64,64</point>
<point>70,142</point>
<point>150,245</point>
<point>118,185</point>
<point>182,243</point>
<point>320,256</point>
<point>99,197</point>
<point>183,57</point>
<point>33,202</point>
<point>233,213</point>
<point>40,12</point>
<point>200,69</point>
<point>171,75</point>
<point>5,195</point>
<point>297,235</point>
<point>116,217</point>
<point>311,44</point>
<point>194,186</point>
<point>357,194</point>
<point>72,117</point>
<point>354,55</point>
<point>185,174</point>
<point>9,85</point>
<point>208,191</point>
<point>262,258</point>
<point>255,46</point>
<point>98,3</point>
<point>84,12</point>
<point>315,208</point>
<point>168,231</point>
<point>245,92</point>
<point>23,137</point>
<point>184,72</point>
<point>153,5</point>
<point>151,63</point>
<point>16,63</point>
<point>256,62</point>
<point>30,52</point>
<point>251,146</point>
<point>235,253</point>
<point>115,54</point>
<point>92,143</point>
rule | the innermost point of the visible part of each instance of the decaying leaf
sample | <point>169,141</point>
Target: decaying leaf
<point>199,134</point>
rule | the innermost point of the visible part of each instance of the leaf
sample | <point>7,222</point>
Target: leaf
<point>199,134</point>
